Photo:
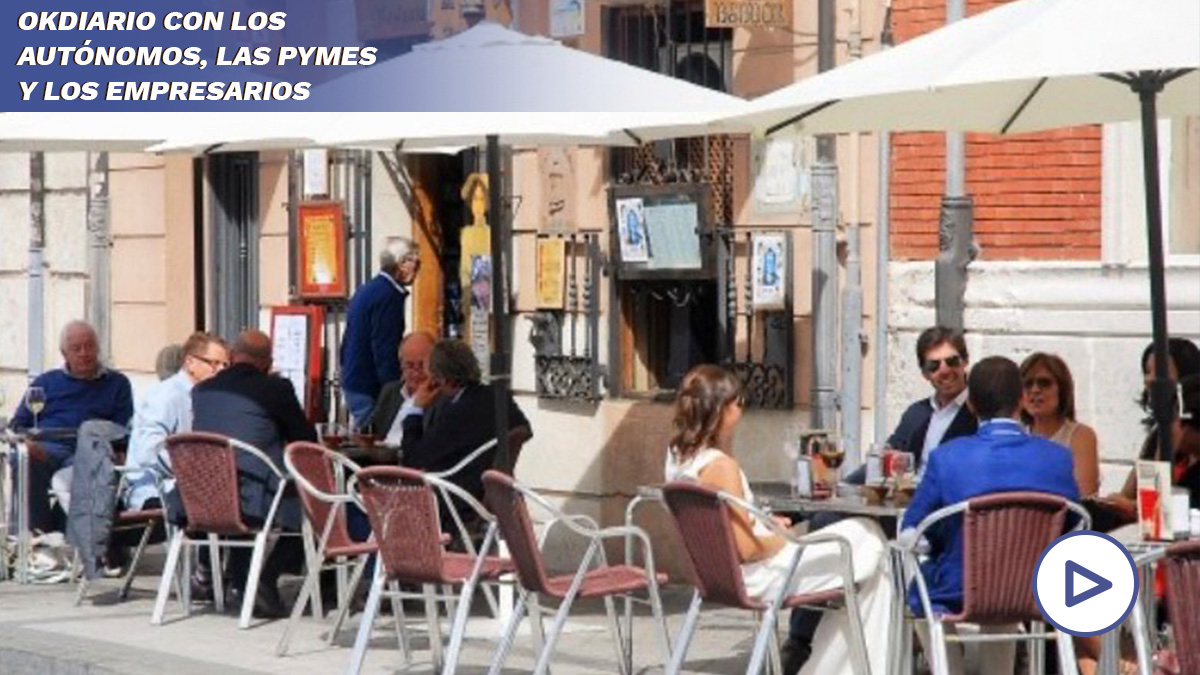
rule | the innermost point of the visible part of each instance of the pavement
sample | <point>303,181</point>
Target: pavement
<point>42,632</point>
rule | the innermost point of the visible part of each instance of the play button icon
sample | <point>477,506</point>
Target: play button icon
<point>1085,600</point>
<point>1098,583</point>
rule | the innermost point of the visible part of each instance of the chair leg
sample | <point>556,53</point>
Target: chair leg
<point>256,564</point>
<point>344,607</point>
<point>311,579</point>
<point>459,626</point>
<point>560,622</point>
<point>218,577</point>
<point>1141,640</point>
<point>660,621</point>
<point>1036,647</point>
<point>684,637</point>
<point>774,662</point>
<point>761,640</point>
<point>624,655</point>
<point>164,586</point>
<point>433,617</point>
<point>363,638</point>
<point>401,623</point>
<point>127,580</point>
<point>510,633</point>
<point>311,562</point>
<point>939,660</point>
<point>858,641</point>
<point>1067,663</point>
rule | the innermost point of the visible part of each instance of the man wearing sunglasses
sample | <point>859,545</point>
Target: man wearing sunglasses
<point>929,422</point>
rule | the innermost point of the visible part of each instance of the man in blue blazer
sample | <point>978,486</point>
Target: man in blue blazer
<point>1000,457</point>
<point>375,325</point>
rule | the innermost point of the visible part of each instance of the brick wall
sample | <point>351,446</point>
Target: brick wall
<point>1037,196</point>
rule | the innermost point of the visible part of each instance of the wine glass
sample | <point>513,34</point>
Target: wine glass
<point>35,400</point>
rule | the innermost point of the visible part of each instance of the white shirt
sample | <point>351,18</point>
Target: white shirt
<point>395,435</point>
<point>940,421</point>
<point>165,410</point>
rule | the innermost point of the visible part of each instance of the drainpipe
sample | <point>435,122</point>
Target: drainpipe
<point>37,264</point>
<point>99,250</point>
<point>882,253</point>
<point>852,294</point>
<point>955,222</point>
<point>824,254</point>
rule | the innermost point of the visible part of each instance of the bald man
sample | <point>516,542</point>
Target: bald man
<point>396,399</point>
<point>246,402</point>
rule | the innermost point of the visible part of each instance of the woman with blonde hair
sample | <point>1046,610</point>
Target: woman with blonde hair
<point>1048,408</point>
<point>707,411</point>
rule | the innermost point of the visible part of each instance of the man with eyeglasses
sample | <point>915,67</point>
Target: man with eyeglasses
<point>375,324</point>
<point>396,401</point>
<point>166,409</point>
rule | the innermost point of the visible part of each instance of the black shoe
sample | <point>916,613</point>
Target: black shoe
<point>201,589</point>
<point>268,604</point>
<point>793,655</point>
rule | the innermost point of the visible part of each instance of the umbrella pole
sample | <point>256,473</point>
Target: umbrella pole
<point>1147,85</point>
<point>499,365</point>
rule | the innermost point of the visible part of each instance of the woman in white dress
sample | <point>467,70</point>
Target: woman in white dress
<point>707,412</point>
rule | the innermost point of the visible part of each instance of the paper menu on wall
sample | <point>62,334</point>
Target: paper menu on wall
<point>290,351</point>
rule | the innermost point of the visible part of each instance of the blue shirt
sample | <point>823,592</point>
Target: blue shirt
<point>165,410</point>
<point>71,401</point>
<point>374,328</point>
<point>1000,457</point>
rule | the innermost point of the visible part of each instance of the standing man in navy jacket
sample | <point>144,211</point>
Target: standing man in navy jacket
<point>374,328</point>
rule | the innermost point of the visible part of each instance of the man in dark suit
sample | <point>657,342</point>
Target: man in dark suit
<point>396,399</point>
<point>457,414</point>
<point>926,424</point>
<point>246,402</point>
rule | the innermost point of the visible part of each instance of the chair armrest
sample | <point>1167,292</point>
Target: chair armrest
<point>466,460</point>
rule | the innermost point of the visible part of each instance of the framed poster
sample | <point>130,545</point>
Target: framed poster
<point>551,273</point>
<point>296,352</point>
<point>566,18</point>
<point>770,270</point>
<point>631,230</point>
<point>321,249</point>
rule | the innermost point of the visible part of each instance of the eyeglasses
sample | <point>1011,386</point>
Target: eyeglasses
<point>412,365</point>
<point>1042,382</point>
<point>931,366</point>
<point>215,364</point>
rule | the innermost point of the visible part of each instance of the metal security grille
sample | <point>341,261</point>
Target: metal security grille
<point>233,293</point>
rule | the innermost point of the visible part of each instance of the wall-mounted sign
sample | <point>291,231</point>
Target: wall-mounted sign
<point>770,270</point>
<point>321,249</point>
<point>558,189</point>
<point>296,353</point>
<point>566,18</point>
<point>551,273</point>
<point>783,174</point>
<point>316,172</point>
<point>748,14</point>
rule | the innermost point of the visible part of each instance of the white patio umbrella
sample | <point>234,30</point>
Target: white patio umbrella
<point>1026,65</point>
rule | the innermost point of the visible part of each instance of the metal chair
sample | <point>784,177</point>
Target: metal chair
<point>704,520</point>
<point>206,476</point>
<point>1182,564</point>
<point>327,540</point>
<point>1003,536</point>
<point>402,506</point>
<point>506,498</point>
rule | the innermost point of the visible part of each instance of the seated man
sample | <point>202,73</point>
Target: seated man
<point>83,389</point>
<point>462,419</point>
<point>246,402</point>
<point>166,409</point>
<point>396,399</point>
<point>1001,457</point>
<point>926,424</point>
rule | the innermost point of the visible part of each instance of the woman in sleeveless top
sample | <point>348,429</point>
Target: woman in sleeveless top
<point>1048,408</point>
<point>707,411</point>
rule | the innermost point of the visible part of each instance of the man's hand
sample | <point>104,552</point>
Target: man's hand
<point>425,394</point>
<point>783,521</point>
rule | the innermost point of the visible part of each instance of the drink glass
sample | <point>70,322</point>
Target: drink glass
<point>1148,511</point>
<point>35,400</point>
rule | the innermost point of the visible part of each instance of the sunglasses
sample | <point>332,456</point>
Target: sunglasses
<point>1042,382</point>
<point>215,364</point>
<point>931,366</point>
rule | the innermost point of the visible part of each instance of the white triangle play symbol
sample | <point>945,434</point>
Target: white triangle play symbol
<point>1083,584</point>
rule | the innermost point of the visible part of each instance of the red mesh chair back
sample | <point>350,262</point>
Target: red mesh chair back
<point>313,464</point>
<point>404,517</point>
<point>1183,603</point>
<point>1003,536</point>
<point>512,517</point>
<point>206,476</point>
<point>704,523</point>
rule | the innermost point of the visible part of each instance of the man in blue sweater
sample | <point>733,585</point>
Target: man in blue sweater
<point>83,389</point>
<point>374,328</point>
<point>1001,457</point>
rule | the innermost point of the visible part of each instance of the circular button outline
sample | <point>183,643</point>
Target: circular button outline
<point>1137,583</point>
